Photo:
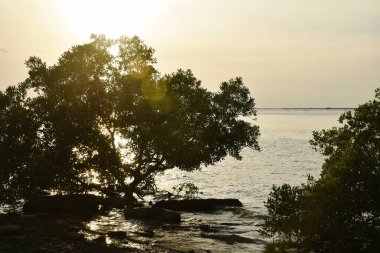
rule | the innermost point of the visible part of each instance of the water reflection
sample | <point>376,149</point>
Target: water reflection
<point>184,237</point>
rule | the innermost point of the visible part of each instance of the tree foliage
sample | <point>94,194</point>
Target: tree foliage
<point>104,119</point>
<point>340,212</point>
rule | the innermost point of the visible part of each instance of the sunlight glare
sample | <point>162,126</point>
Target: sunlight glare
<point>112,18</point>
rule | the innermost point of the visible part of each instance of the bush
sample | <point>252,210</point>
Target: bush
<point>339,212</point>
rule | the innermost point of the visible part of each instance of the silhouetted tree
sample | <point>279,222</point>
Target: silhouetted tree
<point>340,212</point>
<point>104,119</point>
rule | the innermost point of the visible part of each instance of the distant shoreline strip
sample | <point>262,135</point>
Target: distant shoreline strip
<point>306,108</point>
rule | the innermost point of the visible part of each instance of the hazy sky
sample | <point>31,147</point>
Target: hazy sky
<point>290,53</point>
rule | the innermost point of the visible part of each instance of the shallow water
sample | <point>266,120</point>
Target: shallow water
<point>286,157</point>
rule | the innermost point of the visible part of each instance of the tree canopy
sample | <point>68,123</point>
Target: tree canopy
<point>104,119</point>
<point>339,212</point>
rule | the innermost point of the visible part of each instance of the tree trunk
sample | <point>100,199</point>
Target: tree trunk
<point>128,195</point>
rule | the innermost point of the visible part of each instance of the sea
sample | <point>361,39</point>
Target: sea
<point>286,156</point>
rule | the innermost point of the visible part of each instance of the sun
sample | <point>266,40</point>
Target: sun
<point>111,17</point>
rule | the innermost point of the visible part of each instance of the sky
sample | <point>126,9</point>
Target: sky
<point>290,53</point>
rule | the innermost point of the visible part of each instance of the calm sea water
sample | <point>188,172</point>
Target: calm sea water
<point>286,157</point>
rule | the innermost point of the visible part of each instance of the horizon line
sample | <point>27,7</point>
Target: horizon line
<point>309,108</point>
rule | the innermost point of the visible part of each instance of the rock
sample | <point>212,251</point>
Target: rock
<point>154,214</point>
<point>230,224</point>
<point>197,205</point>
<point>207,228</point>
<point>115,202</point>
<point>100,239</point>
<point>117,234</point>
<point>80,203</point>
<point>146,233</point>
<point>230,238</point>
<point>7,230</point>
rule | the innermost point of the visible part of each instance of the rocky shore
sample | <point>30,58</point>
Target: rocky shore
<point>55,233</point>
<point>61,224</point>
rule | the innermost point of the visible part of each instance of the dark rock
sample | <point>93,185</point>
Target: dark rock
<point>207,228</point>
<point>100,239</point>
<point>153,214</point>
<point>80,203</point>
<point>115,202</point>
<point>197,205</point>
<point>230,238</point>
<point>230,224</point>
<point>117,234</point>
<point>10,230</point>
<point>146,233</point>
